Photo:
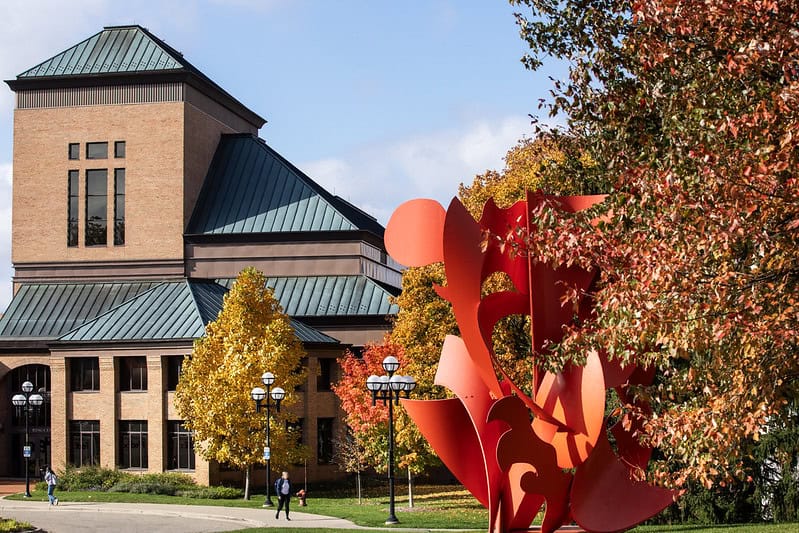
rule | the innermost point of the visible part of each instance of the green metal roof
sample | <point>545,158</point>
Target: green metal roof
<point>250,188</point>
<point>169,311</point>
<point>48,310</point>
<point>324,296</point>
<point>120,49</point>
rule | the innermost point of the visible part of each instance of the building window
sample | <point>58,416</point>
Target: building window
<point>324,440</point>
<point>119,206</point>
<point>74,150</point>
<point>174,365</point>
<point>96,207</point>
<point>72,208</point>
<point>323,380</point>
<point>119,149</point>
<point>84,443</point>
<point>133,373</point>
<point>132,444</point>
<point>180,446</point>
<point>97,150</point>
<point>84,373</point>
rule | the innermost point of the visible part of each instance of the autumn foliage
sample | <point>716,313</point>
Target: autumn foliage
<point>691,109</point>
<point>250,336</point>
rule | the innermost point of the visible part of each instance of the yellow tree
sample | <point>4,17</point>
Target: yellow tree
<point>425,319</point>
<point>250,336</point>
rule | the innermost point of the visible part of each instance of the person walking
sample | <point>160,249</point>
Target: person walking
<point>51,479</point>
<point>283,489</point>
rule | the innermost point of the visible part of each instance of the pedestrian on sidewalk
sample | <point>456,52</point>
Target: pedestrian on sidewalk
<point>283,489</point>
<point>51,479</point>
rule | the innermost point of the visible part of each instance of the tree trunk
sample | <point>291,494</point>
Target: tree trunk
<point>247,483</point>
<point>358,484</point>
<point>410,488</point>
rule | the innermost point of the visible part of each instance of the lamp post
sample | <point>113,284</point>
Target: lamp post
<point>28,401</point>
<point>258,395</point>
<point>388,389</point>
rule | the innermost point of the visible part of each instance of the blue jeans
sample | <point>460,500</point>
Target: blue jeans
<point>50,495</point>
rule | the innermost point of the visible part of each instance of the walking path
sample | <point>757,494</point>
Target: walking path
<point>69,517</point>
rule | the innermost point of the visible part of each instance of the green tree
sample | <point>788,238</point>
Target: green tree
<point>250,336</point>
<point>689,108</point>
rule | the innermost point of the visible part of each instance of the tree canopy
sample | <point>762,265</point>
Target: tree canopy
<point>250,336</point>
<point>690,109</point>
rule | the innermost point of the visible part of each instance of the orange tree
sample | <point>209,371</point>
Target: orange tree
<point>691,108</point>
<point>250,336</point>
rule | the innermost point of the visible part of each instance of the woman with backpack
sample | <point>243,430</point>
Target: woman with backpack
<point>51,479</point>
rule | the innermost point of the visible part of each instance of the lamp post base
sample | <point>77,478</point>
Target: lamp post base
<point>391,520</point>
<point>268,503</point>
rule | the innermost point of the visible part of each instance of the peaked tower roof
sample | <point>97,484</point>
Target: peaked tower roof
<point>115,49</point>
<point>124,54</point>
<point>250,188</point>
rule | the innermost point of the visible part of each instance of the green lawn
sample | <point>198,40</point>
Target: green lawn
<point>436,507</point>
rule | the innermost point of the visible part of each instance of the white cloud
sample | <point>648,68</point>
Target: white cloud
<point>431,165</point>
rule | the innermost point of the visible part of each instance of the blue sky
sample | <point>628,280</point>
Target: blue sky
<point>378,101</point>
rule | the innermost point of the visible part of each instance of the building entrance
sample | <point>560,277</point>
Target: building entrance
<point>12,424</point>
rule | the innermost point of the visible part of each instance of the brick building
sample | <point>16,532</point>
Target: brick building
<point>140,189</point>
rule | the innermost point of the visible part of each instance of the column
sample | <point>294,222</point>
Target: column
<point>156,413</point>
<point>59,420</point>
<point>107,412</point>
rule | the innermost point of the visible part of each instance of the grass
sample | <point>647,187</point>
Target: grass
<point>9,525</point>
<point>436,507</point>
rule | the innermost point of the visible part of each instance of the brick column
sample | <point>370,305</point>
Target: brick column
<point>58,413</point>
<point>107,412</point>
<point>156,413</point>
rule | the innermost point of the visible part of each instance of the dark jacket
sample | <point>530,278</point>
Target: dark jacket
<point>279,485</point>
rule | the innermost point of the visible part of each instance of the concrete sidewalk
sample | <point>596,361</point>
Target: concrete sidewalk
<point>69,517</point>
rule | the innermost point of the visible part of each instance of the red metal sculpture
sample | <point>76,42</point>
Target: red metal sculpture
<point>514,451</point>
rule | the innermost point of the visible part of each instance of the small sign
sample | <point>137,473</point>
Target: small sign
<point>267,453</point>
<point>26,452</point>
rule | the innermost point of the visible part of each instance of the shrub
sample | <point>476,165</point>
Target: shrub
<point>139,486</point>
<point>90,478</point>
<point>212,493</point>
<point>161,483</point>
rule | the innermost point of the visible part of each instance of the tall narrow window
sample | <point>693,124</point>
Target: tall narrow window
<point>133,373</point>
<point>84,443</point>
<point>325,376</point>
<point>96,207</point>
<point>97,150</point>
<point>84,373</point>
<point>132,444</point>
<point>119,206</point>
<point>74,150</point>
<point>324,440</point>
<point>72,208</point>
<point>180,446</point>
<point>119,149</point>
<point>174,365</point>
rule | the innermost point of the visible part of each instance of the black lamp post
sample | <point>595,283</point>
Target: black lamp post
<point>28,401</point>
<point>258,395</point>
<point>388,389</point>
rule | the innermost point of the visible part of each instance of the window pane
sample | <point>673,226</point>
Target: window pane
<point>119,206</point>
<point>72,208</point>
<point>96,207</point>
<point>74,150</point>
<point>119,149</point>
<point>325,374</point>
<point>97,182</point>
<point>97,150</point>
